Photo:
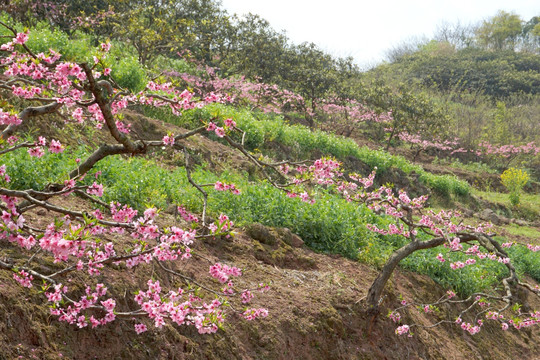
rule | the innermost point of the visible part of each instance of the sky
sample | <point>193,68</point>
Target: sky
<point>365,30</point>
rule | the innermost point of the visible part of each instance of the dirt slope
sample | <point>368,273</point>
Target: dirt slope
<point>315,305</point>
<point>315,309</point>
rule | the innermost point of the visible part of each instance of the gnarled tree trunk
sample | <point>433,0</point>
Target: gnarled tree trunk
<point>377,287</point>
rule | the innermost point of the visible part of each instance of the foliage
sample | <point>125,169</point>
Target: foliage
<point>129,74</point>
<point>501,31</point>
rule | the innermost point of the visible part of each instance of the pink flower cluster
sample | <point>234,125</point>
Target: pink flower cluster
<point>37,148</point>
<point>20,38</point>
<point>26,92</point>
<point>222,272</point>
<point>95,189</point>
<point>189,217</point>
<point>9,119</point>
<point>507,150</point>
<point>122,213</point>
<point>3,173</point>
<point>403,329</point>
<point>224,225</point>
<point>220,132</point>
<point>394,316</point>
<point>533,248</point>
<point>252,314</point>
<point>472,329</point>
<point>24,279</point>
<point>72,313</point>
<point>325,171</point>
<point>417,140</point>
<point>180,309</point>
<point>168,140</point>
<point>246,296</point>
<point>219,186</point>
<point>265,97</point>
<point>354,111</point>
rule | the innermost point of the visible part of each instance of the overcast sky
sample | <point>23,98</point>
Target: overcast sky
<point>366,29</point>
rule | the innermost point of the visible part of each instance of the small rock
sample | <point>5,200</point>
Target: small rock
<point>261,233</point>
<point>467,213</point>
<point>489,215</point>
<point>171,209</point>
<point>290,238</point>
<point>41,212</point>
<point>521,222</point>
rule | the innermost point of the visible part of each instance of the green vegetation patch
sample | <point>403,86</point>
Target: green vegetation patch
<point>302,142</point>
<point>332,225</point>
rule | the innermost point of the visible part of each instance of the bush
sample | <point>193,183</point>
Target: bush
<point>128,73</point>
<point>514,180</point>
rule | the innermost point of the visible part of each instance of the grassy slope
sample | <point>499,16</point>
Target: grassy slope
<point>311,316</point>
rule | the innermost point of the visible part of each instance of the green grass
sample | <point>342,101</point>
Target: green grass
<point>526,231</point>
<point>262,130</point>
<point>529,206</point>
<point>470,166</point>
<point>332,225</point>
<point>483,275</point>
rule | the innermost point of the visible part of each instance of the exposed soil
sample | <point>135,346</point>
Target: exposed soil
<point>315,304</point>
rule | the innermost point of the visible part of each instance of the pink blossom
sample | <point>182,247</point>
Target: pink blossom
<point>24,279</point>
<point>56,147</point>
<point>402,329</point>
<point>246,296</point>
<point>140,328</point>
<point>21,38</point>
<point>95,189</point>
<point>168,140</point>
<point>36,152</point>
<point>105,47</point>
<point>395,316</point>
<point>252,314</point>
<point>230,123</point>
<point>220,132</point>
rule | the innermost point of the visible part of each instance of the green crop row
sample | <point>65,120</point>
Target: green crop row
<point>332,225</point>
<point>264,131</point>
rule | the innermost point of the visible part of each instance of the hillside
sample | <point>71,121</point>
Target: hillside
<point>313,298</point>
<point>203,205</point>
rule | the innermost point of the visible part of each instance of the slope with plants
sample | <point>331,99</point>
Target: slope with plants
<point>168,167</point>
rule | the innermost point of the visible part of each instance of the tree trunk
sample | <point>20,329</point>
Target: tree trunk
<point>390,138</point>
<point>377,287</point>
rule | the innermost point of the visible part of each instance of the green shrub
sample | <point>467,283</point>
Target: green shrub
<point>465,281</point>
<point>514,180</point>
<point>128,73</point>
